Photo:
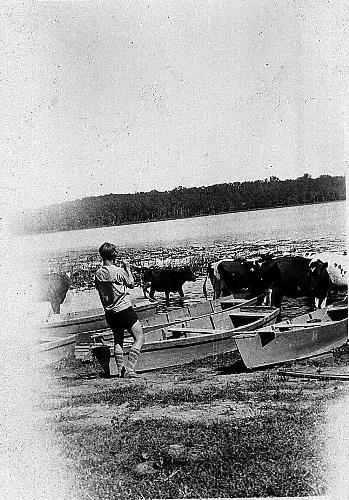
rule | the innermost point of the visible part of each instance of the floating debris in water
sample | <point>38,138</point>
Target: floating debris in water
<point>83,265</point>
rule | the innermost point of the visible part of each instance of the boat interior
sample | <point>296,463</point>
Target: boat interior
<point>189,312</point>
<point>209,317</point>
<point>156,327</point>
<point>337,314</point>
<point>241,318</point>
<point>330,314</point>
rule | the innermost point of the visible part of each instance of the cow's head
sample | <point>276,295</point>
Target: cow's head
<point>255,275</point>
<point>319,277</point>
<point>319,281</point>
<point>253,264</point>
<point>188,274</point>
<point>146,274</point>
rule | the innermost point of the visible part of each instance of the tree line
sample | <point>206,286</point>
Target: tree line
<point>118,209</point>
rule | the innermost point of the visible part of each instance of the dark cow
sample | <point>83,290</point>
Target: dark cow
<point>320,283</point>
<point>166,280</point>
<point>295,276</point>
<point>54,288</point>
<point>230,276</point>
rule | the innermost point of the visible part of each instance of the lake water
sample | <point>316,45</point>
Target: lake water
<point>324,224</point>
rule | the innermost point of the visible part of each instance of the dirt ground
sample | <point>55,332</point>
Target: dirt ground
<point>210,394</point>
<point>87,380</point>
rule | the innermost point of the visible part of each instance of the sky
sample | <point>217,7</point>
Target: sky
<point>128,96</point>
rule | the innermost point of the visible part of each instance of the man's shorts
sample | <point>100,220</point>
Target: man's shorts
<point>121,320</point>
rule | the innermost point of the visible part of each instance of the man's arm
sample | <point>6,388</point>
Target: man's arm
<point>124,277</point>
<point>130,282</point>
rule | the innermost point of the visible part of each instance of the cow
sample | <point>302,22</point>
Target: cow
<point>166,280</point>
<point>337,267</point>
<point>54,287</point>
<point>230,276</point>
<point>295,276</point>
<point>320,283</point>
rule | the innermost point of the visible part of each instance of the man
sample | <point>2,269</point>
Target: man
<point>112,283</point>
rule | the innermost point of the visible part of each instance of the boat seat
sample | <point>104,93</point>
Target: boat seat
<point>200,309</point>
<point>247,312</point>
<point>301,325</point>
<point>177,331</point>
<point>222,320</point>
<point>203,322</point>
<point>225,304</point>
<point>183,312</point>
<point>155,335</point>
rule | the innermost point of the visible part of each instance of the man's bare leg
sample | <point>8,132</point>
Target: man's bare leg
<point>133,355</point>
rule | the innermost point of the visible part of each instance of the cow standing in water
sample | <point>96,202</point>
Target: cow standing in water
<point>292,276</point>
<point>296,276</point>
<point>166,280</point>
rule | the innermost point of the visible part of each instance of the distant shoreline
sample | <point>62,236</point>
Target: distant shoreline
<point>184,218</point>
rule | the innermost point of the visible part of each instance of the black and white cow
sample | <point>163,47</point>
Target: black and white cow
<point>232,275</point>
<point>337,267</point>
<point>296,276</point>
<point>293,276</point>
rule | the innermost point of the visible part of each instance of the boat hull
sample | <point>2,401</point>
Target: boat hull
<point>291,341</point>
<point>56,350</point>
<point>180,351</point>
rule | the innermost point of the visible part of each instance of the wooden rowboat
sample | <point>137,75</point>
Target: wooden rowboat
<point>53,351</point>
<point>195,338</point>
<point>58,335</point>
<point>57,341</point>
<point>79,322</point>
<point>302,337</point>
<point>86,323</point>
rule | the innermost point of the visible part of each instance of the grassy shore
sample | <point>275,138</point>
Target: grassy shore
<point>207,429</point>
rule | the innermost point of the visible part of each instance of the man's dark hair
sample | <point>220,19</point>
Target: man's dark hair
<point>107,251</point>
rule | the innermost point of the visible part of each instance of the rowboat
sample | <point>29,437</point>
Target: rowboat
<point>58,335</point>
<point>58,338</point>
<point>305,336</point>
<point>191,339</point>
<point>82,322</point>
